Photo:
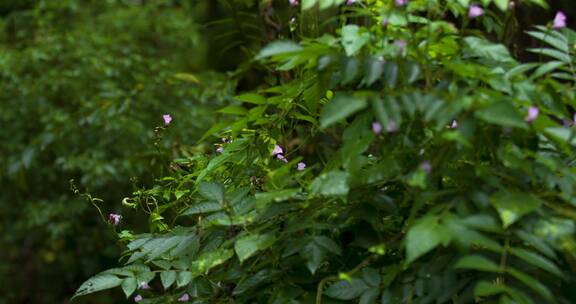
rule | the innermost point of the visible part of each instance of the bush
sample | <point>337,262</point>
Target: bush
<point>83,85</point>
<point>402,158</point>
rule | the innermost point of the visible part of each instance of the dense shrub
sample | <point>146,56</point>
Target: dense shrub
<point>394,154</point>
<point>83,84</point>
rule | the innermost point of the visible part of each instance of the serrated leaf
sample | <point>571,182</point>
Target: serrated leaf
<point>210,260</point>
<point>168,278</point>
<point>339,108</point>
<point>314,255</point>
<point>203,207</point>
<point>129,285</point>
<point>425,235</point>
<point>552,53</point>
<point>98,283</point>
<point>344,290</point>
<point>183,278</point>
<point>245,247</point>
<point>557,41</point>
<point>213,191</point>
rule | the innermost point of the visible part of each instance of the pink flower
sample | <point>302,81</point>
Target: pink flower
<point>384,22</point>
<point>559,20</point>
<point>220,150</point>
<point>184,298</point>
<point>401,2</point>
<point>392,127</point>
<point>454,124</point>
<point>277,150</point>
<point>114,218</point>
<point>293,2</point>
<point>281,157</point>
<point>532,114</point>
<point>475,11</point>
<point>138,298</point>
<point>376,127</point>
<point>401,44</point>
<point>350,2</point>
<point>426,166</point>
<point>144,285</point>
<point>167,119</point>
<point>301,166</point>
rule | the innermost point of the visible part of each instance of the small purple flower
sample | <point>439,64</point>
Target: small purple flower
<point>144,285</point>
<point>559,20</point>
<point>293,2</point>
<point>376,127</point>
<point>114,218</point>
<point>220,149</point>
<point>475,11</point>
<point>401,45</point>
<point>138,298</point>
<point>392,127</point>
<point>167,119</point>
<point>281,157</point>
<point>277,150</point>
<point>426,166</point>
<point>532,114</point>
<point>184,298</point>
<point>384,22</point>
<point>454,124</point>
<point>350,2</point>
<point>301,166</point>
<point>401,2</point>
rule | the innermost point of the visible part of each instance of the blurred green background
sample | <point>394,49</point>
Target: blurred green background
<point>83,87</point>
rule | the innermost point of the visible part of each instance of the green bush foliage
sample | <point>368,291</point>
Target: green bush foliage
<point>83,85</point>
<point>396,153</point>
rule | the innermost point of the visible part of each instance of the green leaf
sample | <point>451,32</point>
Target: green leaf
<point>537,260</point>
<point>211,259</point>
<point>212,190</point>
<point>371,276</point>
<point>250,244</point>
<point>203,207</point>
<point>344,290</point>
<point>251,98</point>
<point>477,262</point>
<point>561,134</point>
<point>328,244</point>
<point>183,278</point>
<point>501,4</point>
<point>340,108</point>
<point>479,47</point>
<point>277,48</point>
<point>265,198</point>
<point>333,183</point>
<point>502,113</point>
<point>353,39</point>
<point>98,283</point>
<point>233,110</point>
<point>129,285</point>
<point>532,283</point>
<point>425,235</point>
<point>369,296</point>
<point>486,289</point>
<point>168,278</point>
<point>314,255</point>
<point>557,41</point>
<point>512,206</point>
<point>552,53</point>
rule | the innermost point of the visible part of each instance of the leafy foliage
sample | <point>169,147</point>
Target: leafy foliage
<point>428,178</point>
